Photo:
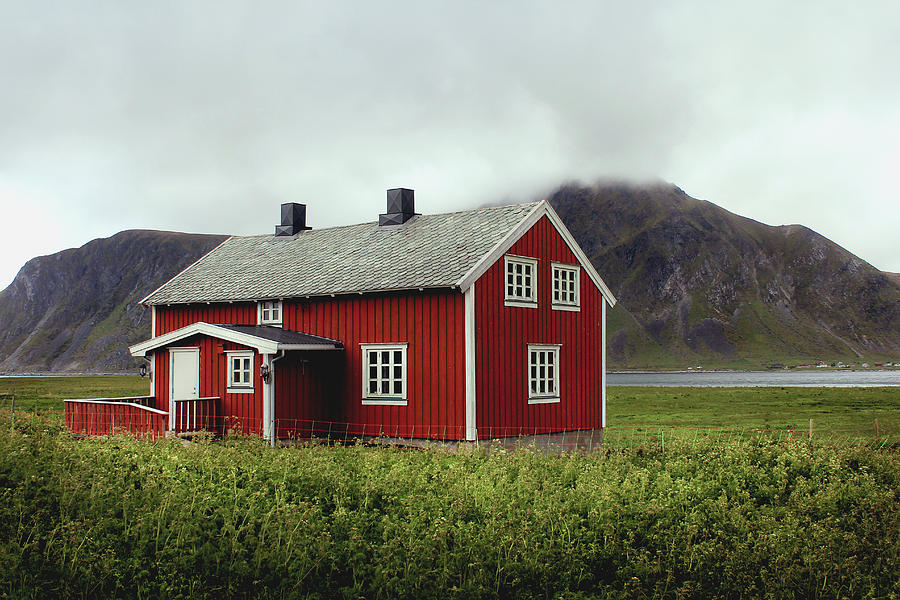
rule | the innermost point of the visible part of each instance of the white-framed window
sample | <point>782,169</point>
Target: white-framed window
<point>240,371</point>
<point>565,287</point>
<point>521,281</point>
<point>543,373</point>
<point>269,312</point>
<point>384,373</point>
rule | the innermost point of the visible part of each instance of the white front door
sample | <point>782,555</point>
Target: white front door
<point>185,373</point>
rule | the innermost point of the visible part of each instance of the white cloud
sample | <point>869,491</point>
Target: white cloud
<point>205,116</point>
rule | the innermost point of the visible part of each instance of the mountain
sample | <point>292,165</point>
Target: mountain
<point>696,283</point>
<point>77,310</point>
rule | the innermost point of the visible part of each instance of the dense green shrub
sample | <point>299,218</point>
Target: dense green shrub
<point>746,519</point>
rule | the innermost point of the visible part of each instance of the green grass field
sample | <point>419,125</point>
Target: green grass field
<point>835,411</point>
<point>48,393</point>
<point>734,516</point>
<point>751,518</point>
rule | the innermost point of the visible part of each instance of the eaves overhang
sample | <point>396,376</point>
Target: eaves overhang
<point>256,337</point>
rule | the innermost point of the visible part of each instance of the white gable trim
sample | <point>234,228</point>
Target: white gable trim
<point>262,345</point>
<point>543,208</point>
<point>182,271</point>
<point>500,248</point>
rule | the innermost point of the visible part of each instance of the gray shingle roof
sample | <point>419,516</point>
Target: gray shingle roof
<point>283,336</point>
<point>427,251</point>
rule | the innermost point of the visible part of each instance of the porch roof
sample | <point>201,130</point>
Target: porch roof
<point>263,338</point>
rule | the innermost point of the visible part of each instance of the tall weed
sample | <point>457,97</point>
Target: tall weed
<point>752,518</point>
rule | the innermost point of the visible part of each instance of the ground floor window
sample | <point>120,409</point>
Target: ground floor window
<point>383,373</point>
<point>543,373</point>
<point>240,371</point>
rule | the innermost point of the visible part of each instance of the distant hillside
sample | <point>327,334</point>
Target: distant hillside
<point>696,283</point>
<point>78,310</point>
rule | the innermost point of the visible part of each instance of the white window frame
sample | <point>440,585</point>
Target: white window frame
<point>530,300</point>
<point>396,399</point>
<point>535,397</point>
<point>264,310</point>
<point>239,387</point>
<point>555,270</point>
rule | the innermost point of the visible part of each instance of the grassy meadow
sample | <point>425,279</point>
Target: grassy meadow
<point>47,393</point>
<point>756,515</point>
<point>835,411</point>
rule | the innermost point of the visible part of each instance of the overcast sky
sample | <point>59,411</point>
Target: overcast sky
<point>205,116</point>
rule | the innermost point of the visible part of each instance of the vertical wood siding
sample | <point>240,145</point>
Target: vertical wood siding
<point>170,318</point>
<point>328,387</point>
<point>430,322</point>
<point>502,334</point>
<point>237,412</point>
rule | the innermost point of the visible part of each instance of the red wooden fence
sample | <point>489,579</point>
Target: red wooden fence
<point>198,414</point>
<point>107,416</point>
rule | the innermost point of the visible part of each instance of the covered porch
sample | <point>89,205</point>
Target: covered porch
<point>213,378</point>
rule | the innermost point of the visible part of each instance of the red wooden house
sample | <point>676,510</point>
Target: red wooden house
<point>471,325</point>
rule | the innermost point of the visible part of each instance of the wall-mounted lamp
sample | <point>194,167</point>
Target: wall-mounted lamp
<point>143,371</point>
<point>264,373</point>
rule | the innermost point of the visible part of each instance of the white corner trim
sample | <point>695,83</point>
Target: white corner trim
<point>541,209</point>
<point>153,321</point>
<point>603,366</point>
<point>185,269</point>
<point>471,407</point>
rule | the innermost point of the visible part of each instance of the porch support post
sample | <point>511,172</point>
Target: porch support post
<point>269,400</point>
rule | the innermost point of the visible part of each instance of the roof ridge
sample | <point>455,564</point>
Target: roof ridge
<point>441,214</point>
<point>429,251</point>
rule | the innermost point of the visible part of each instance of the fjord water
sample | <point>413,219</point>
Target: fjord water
<point>844,378</point>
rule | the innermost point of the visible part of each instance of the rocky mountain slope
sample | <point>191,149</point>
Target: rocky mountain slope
<point>697,283</point>
<point>78,310</point>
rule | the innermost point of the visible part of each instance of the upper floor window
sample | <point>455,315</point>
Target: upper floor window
<point>240,371</point>
<point>384,373</point>
<point>521,281</point>
<point>565,287</point>
<point>543,373</point>
<point>269,312</point>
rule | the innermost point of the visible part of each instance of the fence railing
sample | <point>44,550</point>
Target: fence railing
<point>196,414</point>
<point>108,416</point>
<point>104,416</point>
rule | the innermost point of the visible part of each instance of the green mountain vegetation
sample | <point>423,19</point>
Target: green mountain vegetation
<point>697,284</point>
<point>78,310</point>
